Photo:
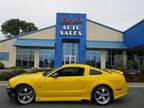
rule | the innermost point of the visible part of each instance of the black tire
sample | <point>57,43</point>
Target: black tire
<point>102,95</point>
<point>24,94</point>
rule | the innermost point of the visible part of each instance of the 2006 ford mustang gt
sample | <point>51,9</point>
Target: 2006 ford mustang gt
<point>72,82</point>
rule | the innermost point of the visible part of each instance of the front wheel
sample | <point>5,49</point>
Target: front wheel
<point>24,95</point>
<point>102,95</point>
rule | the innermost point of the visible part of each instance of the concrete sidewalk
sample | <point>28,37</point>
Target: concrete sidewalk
<point>135,84</point>
<point>5,83</point>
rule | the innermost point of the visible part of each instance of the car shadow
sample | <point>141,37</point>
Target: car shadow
<point>67,104</point>
<point>116,102</point>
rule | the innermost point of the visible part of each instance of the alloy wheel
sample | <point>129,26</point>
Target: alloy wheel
<point>102,95</point>
<point>25,95</point>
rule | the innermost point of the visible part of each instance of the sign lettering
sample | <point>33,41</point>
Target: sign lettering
<point>71,27</point>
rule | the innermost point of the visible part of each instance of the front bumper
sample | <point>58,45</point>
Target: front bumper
<point>10,91</point>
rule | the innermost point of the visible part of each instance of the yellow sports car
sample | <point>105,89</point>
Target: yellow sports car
<point>72,82</point>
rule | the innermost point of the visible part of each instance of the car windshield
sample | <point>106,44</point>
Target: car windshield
<point>48,72</point>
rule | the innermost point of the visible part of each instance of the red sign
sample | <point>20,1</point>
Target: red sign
<point>77,20</point>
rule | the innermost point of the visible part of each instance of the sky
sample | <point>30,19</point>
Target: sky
<point>118,14</point>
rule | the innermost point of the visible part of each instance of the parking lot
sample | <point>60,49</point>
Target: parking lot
<point>134,99</point>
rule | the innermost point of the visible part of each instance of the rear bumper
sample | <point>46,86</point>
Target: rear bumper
<point>10,91</point>
<point>120,95</point>
<point>122,92</point>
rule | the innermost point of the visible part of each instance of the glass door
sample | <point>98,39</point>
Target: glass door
<point>69,59</point>
<point>70,53</point>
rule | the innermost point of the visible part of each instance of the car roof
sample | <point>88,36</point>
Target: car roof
<point>75,65</point>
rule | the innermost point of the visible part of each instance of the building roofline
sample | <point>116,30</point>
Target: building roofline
<point>104,25</point>
<point>54,26</point>
<point>103,41</point>
<point>28,33</point>
<point>141,21</point>
<point>71,13</point>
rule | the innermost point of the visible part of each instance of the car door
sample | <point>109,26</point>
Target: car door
<point>69,82</point>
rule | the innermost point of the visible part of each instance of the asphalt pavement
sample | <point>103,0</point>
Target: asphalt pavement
<point>134,99</point>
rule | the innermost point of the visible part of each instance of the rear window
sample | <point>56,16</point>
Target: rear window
<point>94,72</point>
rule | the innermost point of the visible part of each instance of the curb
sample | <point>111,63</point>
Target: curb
<point>135,84</point>
<point>3,83</point>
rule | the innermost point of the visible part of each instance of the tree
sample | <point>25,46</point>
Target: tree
<point>14,27</point>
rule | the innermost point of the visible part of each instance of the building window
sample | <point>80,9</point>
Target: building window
<point>113,57</point>
<point>93,58</point>
<point>46,58</point>
<point>4,56</point>
<point>135,59</point>
<point>25,57</point>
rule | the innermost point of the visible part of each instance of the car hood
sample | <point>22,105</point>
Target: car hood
<point>27,76</point>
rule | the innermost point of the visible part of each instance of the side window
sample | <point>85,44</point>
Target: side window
<point>94,72</point>
<point>71,71</point>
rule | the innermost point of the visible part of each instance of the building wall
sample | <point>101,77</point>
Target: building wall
<point>94,32</point>
<point>98,32</point>
<point>44,34</point>
<point>36,58</point>
<point>134,37</point>
<point>7,46</point>
<point>103,59</point>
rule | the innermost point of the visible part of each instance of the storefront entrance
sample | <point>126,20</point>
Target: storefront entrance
<point>70,53</point>
<point>70,41</point>
<point>69,59</point>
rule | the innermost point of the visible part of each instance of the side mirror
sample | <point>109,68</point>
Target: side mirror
<point>55,75</point>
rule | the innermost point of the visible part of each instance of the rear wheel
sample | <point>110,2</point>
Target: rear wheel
<point>24,94</point>
<point>102,95</point>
